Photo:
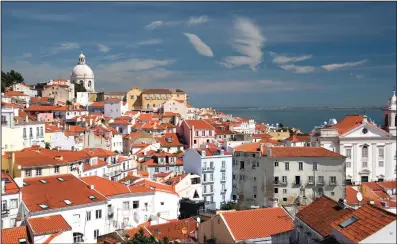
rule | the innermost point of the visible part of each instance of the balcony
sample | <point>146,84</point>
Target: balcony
<point>223,179</point>
<point>209,192</point>
<point>320,182</point>
<point>5,212</point>
<point>332,183</point>
<point>223,169</point>
<point>280,183</point>
<point>310,182</point>
<point>208,168</point>
<point>208,181</point>
<point>223,191</point>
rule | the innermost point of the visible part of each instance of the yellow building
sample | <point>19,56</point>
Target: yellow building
<point>180,96</point>
<point>152,99</point>
<point>134,99</point>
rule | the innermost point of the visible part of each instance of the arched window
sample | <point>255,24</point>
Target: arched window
<point>148,106</point>
<point>154,105</point>
<point>386,121</point>
<point>364,152</point>
<point>81,82</point>
<point>89,83</point>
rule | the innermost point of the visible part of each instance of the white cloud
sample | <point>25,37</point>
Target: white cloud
<point>63,47</point>
<point>135,65</point>
<point>248,41</point>
<point>199,45</point>
<point>332,67</point>
<point>150,42</point>
<point>159,23</point>
<point>281,59</point>
<point>197,20</point>
<point>103,48</point>
<point>297,69</point>
<point>359,77</point>
<point>27,55</point>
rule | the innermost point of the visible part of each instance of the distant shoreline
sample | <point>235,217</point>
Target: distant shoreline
<point>302,108</point>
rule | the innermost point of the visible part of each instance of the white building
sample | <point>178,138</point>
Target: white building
<point>175,106</point>
<point>83,208</point>
<point>49,229</point>
<point>370,150</point>
<point>215,168</point>
<point>64,83</point>
<point>113,107</point>
<point>82,98</point>
<point>25,89</point>
<point>10,201</point>
<point>187,186</point>
<point>244,126</point>
<point>269,176</point>
<point>83,74</point>
<point>62,141</point>
<point>130,206</point>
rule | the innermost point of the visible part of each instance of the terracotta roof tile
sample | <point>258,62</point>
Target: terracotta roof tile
<point>298,138</point>
<point>48,224</point>
<point>199,125</point>
<point>36,193</point>
<point>388,184</point>
<point>257,223</point>
<point>370,219</point>
<point>303,152</point>
<point>174,230</point>
<point>169,140</point>
<point>248,147</point>
<point>99,164</point>
<point>99,152</point>
<point>15,94</point>
<point>320,214</point>
<point>155,186</point>
<point>156,91</point>
<point>13,235</point>
<point>11,187</point>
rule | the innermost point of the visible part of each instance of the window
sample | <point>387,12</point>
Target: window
<point>364,152</point>
<point>211,177</point>
<point>37,132</point>
<point>211,188</point>
<point>223,164</point>
<point>43,206</point>
<point>28,172</point>
<point>254,178</point>
<point>156,169</point>
<point>242,177</point>
<point>297,180</point>
<point>98,214</point>
<point>68,202</point>
<point>311,179</point>
<point>381,152</point>
<point>241,164</point>
<point>77,238</point>
<point>211,133</point>
<point>211,165</point>
<point>286,166</point>
<point>92,198</point>
<point>348,222</point>
<point>276,164</point>
<point>332,180</point>
<point>203,133</point>
<point>24,132</point>
<point>348,153</point>
<point>234,176</point>
<point>38,171</point>
<point>381,163</point>
<point>348,164</point>
<point>275,190</point>
<point>14,203</point>
<point>314,166</point>
<point>332,193</point>
<point>3,204</point>
<point>197,133</point>
<point>365,164</point>
<point>96,233</point>
<point>31,132</point>
<point>300,165</point>
<point>195,141</point>
<point>56,169</point>
<point>135,204</point>
<point>223,175</point>
<point>88,215</point>
<point>126,205</point>
<point>131,96</point>
<point>321,179</point>
<point>125,221</point>
<point>162,203</point>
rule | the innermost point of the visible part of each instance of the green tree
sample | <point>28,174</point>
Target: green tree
<point>125,98</point>
<point>68,102</point>
<point>10,78</point>
<point>78,88</point>
<point>140,238</point>
<point>47,145</point>
<point>228,206</point>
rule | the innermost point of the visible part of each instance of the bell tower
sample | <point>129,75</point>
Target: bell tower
<point>389,115</point>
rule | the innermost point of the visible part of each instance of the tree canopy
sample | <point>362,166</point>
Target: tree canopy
<point>78,88</point>
<point>10,78</point>
<point>140,238</point>
<point>229,206</point>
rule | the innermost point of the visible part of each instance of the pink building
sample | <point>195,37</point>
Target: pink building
<point>46,117</point>
<point>197,132</point>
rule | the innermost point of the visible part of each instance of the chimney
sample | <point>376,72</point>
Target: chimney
<point>203,153</point>
<point>365,119</point>
<point>22,241</point>
<point>341,203</point>
<point>222,152</point>
<point>27,118</point>
<point>372,202</point>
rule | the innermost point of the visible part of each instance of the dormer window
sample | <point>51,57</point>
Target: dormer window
<point>93,198</point>
<point>60,179</point>
<point>43,181</point>
<point>43,206</point>
<point>67,202</point>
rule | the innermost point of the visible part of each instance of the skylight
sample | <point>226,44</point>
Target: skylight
<point>43,181</point>
<point>60,179</point>
<point>92,198</point>
<point>43,206</point>
<point>67,202</point>
<point>348,222</point>
<point>25,183</point>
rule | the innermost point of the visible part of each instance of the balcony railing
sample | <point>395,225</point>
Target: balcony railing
<point>332,183</point>
<point>209,192</point>
<point>310,182</point>
<point>208,181</point>
<point>208,168</point>
<point>223,179</point>
<point>223,169</point>
<point>279,183</point>
<point>4,212</point>
<point>320,182</point>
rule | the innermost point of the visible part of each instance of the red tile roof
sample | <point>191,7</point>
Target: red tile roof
<point>15,94</point>
<point>156,91</point>
<point>156,186</point>
<point>257,223</point>
<point>169,140</point>
<point>99,152</point>
<point>303,152</point>
<point>174,230</point>
<point>249,147</point>
<point>48,224</point>
<point>370,220</point>
<point>199,125</point>
<point>320,214</point>
<point>99,164</point>
<point>13,235</point>
<point>388,184</point>
<point>54,192</point>
<point>176,179</point>
<point>11,187</point>
<point>298,138</point>
<point>111,188</point>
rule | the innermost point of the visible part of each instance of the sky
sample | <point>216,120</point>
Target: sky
<point>223,54</point>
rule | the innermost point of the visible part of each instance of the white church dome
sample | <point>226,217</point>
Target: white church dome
<point>82,70</point>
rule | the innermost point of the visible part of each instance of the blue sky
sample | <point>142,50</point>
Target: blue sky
<point>222,54</point>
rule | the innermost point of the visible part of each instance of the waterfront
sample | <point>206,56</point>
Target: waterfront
<point>304,119</point>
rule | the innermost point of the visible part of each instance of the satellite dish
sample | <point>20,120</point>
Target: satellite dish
<point>359,196</point>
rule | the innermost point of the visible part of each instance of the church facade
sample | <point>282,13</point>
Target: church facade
<point>370,150</point>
